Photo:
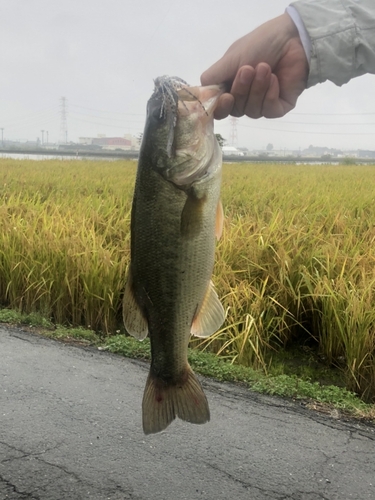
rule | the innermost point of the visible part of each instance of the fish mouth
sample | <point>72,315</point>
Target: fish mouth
<point>178,100</point>
<point>197,154</point>
<point>207,97</point>
<point>166,91</point>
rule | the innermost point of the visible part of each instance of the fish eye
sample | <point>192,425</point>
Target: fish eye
<point>155,110</point>
<point>157,114</point>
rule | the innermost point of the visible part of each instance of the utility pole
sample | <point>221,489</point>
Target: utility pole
<point>42,137</point>
<point>63,122</point>
<point>47,136</point>
<point>2,136</point>
<point>233,135</point>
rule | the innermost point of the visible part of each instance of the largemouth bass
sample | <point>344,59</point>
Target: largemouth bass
<point>176,214</point>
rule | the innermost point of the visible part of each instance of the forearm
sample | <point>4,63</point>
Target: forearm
<point>342,35</point>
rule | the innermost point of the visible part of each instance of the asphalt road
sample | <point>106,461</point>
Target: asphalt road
<point>70,428</point>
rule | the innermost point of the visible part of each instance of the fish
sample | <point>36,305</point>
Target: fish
<point>176,218</point>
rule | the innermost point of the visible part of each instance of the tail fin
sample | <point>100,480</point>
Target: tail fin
<point>163,402</point>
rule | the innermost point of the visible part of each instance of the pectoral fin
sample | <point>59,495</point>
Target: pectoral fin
<point>210,316</point>
<point>134,320</point>
<point>191,216</point>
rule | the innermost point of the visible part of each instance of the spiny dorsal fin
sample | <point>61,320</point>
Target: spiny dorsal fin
<point>210,316</point>
<point>134,320</point>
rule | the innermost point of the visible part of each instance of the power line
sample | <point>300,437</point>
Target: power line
<point>104,124</point>
<point>106,111</point>
<point>31,116</point>
<point>327,123</point>
<point>34,123</point>
<point>106,117</point>
<point>333,114</point>
<point>306,131</point>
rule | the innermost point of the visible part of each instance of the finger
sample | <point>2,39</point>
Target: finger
<point>274,106</point>
<point>224,106</point>
<point>258,90</point>
<point>241,88</point>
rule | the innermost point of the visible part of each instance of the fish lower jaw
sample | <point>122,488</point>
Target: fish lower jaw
<point>193,168</point>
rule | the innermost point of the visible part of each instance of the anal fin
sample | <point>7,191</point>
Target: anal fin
<point>134,320</point>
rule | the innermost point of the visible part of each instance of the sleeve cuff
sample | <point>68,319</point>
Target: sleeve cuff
<point>304,36</point>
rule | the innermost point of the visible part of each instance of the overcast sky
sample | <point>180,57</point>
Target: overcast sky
<point>102,56</point>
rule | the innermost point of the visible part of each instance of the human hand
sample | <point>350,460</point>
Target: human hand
<point>266,71</point>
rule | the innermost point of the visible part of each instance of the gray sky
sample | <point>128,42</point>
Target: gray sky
<point>103,55</point>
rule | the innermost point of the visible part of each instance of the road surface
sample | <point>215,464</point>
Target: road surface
<point>70,428</point>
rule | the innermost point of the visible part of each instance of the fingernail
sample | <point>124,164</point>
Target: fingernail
<point>245,76</point>
<point>262,72</point>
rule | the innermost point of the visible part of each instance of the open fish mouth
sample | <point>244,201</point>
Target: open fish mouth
<point>166,89</point>
<point>172,90</point>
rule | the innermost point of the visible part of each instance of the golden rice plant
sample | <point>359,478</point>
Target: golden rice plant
<point>296,257</point>
<point>65,239</point>
<point>296,229</point>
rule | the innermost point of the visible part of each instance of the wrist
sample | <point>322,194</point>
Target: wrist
<point>288,29</point>
<point>283,31</point>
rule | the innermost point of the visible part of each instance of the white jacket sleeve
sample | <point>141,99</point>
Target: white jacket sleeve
<point>342,35</point>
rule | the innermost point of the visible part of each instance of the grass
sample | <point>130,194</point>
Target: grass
<point>327,398</point>
<point>295,265</point>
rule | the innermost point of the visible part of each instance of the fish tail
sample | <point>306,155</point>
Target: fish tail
<point>162,402</point>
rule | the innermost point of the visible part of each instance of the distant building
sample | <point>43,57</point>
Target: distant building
<point>127,142</point>
<point>112,142</point>
<point>366,153</point>
<point>275,153</point>
<point>279,153</point>
<point>318,151</point>
<point>231,151</point>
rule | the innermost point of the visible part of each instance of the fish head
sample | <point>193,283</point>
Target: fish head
<point>180,131</point>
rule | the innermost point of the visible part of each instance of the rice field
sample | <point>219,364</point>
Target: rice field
<point>296,262</point>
